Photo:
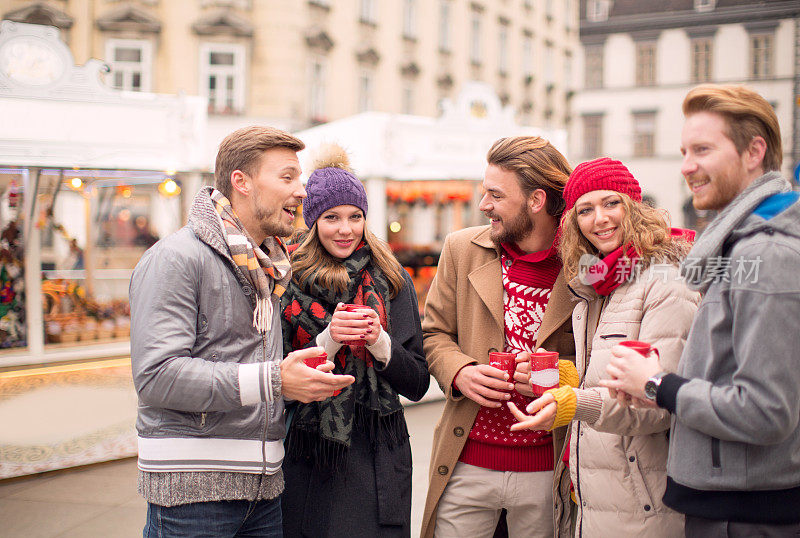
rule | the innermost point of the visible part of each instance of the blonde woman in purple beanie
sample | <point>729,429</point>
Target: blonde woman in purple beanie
<point>348,465</point>
<point>620,259</point>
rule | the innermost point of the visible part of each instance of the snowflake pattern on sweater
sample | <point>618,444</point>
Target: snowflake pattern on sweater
<point>523,307</point>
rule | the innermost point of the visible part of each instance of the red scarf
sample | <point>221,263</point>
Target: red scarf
<point>619,268</point>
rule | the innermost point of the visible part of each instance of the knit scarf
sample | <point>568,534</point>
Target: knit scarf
<point>253,262</point>
<point>615,269</point>
<point>321,431</point>
<point>711,244</point>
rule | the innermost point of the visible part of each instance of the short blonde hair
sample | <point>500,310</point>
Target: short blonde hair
<point>746,113</point>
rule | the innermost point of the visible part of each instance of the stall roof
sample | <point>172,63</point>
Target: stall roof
<point>403,147</point>
<point>58,114</point>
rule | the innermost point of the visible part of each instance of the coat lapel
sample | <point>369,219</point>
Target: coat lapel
<point>559,309</point>
<point>487,280</point>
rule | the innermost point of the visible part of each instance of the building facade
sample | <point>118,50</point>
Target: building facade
<point>639,59</point>
<point>303,62</point>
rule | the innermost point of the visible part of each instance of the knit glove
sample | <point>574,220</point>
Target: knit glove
<point>566,402</point>
<point>567,374</point>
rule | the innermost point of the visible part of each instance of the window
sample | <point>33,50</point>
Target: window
<point>367,12</point>
<point>408,99</point>
<point>316,98</point>
<point>568,23</point>
<point>475,39</point>
<point>597,10</point>
<point>704,5</point>
<point>365,92</point>
<point>702,49</point>
<point>593,59</point>
<point>592,135</point>
<point>131,63</point>
<point>549,66</point>
<point>222,77</point>
<point>644,127</point>
<point>761,54</point>
<point>567,71</point>
<point>409,19</point>
<point>502,49</point>
<point>527,55</point>
<point>444,25</point>
<point>645,63</point>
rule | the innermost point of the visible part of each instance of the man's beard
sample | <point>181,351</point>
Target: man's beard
<point>269,219</point>
<point>514,230</point>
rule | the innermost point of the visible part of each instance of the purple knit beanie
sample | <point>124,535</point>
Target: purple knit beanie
<point>601,175</point>
<point>332,184</point>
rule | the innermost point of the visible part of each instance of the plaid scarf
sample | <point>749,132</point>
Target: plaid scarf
<point>253,262</point>
<point>321,431</point>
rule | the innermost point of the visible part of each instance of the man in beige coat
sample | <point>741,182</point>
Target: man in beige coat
<point>469,314</point>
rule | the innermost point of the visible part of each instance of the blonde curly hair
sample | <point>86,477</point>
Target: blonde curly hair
<point>644,227</point>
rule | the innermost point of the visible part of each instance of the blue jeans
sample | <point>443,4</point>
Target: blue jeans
<point>215,519</point>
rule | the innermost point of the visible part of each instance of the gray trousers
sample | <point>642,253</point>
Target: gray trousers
<point>698,527</point>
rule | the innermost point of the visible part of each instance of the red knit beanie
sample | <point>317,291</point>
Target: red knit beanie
<point>600,175</point>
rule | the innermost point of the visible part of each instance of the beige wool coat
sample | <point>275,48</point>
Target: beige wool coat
<point>618,454</point>
<point>463,323</point>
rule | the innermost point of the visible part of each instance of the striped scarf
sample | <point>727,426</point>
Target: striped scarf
<point>255,264</point>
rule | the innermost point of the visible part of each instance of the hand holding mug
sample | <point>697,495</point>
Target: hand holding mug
<point>629,370</point>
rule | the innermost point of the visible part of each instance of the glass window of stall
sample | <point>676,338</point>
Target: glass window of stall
<point>12,274</point>
<point>95,225</point>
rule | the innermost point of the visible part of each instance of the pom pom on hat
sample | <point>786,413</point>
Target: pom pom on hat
<point>601,175</point>
<point>332,184</point>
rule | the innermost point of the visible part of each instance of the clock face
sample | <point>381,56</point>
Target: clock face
<point>30,61</point>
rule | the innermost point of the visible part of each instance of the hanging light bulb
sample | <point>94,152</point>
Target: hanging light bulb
<point>169,188</point>
<point>75,183</point>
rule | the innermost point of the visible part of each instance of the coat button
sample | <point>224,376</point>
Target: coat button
<point>508,262</point>
<point>443,469</point>
<point>247,290</point>
<point>631,458</point>
<point>458,431</point>
<point>647,508</point>
<point>578,316</point>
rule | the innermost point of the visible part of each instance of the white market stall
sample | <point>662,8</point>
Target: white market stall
<point>89,177</point>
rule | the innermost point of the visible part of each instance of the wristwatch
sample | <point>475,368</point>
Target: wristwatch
<point>651,387</point>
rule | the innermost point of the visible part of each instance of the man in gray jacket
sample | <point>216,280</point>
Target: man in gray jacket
<point>206,349</point>
<point>734,452</point>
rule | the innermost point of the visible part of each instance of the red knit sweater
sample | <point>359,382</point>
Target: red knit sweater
<point>527,282</point>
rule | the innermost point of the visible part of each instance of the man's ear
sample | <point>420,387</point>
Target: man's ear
<point>537,200</point>
<point>755,152</point>
<point>240,182</point>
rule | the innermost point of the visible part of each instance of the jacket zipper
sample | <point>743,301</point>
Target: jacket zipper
<point>202,420</point>
<point>715,457</point>
<point>578,429</point>
<point>266,411</point>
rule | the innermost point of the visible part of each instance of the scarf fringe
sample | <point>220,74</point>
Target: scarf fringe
<point>331,456</point>
<point>262,315</point>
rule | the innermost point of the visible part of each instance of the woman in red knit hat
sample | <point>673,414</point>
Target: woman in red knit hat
<point>620,257</point>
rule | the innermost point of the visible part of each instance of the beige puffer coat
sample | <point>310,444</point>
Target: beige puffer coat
<point>618,454</point>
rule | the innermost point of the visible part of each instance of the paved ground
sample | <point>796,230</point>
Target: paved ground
<point>101,501</point>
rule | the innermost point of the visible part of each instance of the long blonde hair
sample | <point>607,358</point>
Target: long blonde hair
<point>312,265</point>
<point>644,227</point>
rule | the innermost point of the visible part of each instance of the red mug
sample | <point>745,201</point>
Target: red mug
<point>643,348</point>
<point>355,308</point>
<point>544,371</point>
<point>506,362</point>
<point>313,362</point>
